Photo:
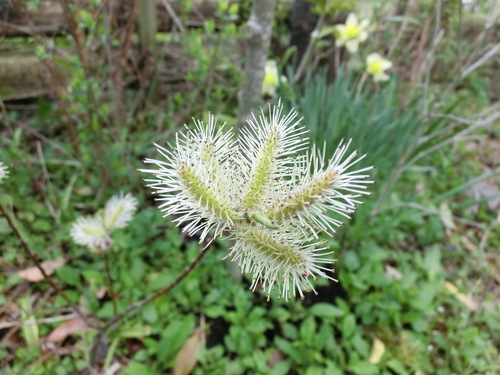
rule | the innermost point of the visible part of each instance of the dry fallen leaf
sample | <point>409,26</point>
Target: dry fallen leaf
<point>188,355</point>
<point>101,292</point>
<point>393,273</point>
<point>378,349</point>
<point>446,216</point>
<point>468,244</point>
<point>60,333</point>
<point>33,274</point>
<point>467,301</point>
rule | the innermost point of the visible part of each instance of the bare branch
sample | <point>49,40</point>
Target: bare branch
<point>34,258</point>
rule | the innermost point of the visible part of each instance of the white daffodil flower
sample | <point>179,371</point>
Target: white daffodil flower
<point>351,33</point>
<point>94,231</point>
<point>4,171</point>
<point>376,66</point>
<point>260,189</point>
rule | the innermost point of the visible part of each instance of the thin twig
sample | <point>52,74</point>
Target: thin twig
<point>5,116</point>
<point>308,52</point>
<point>460,136</point>
<point>53,319</point>
<point>137,305</point>
<point>430,211</point>
<point>43,138</point>
<point>398,37</point>
<point>75,32</point>
<point>438,34</point>
<point>172,14</point>
<point>38,265</point>
<point>46,180</point>
<point>481,61</point>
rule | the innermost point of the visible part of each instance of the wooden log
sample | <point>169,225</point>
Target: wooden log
<point>25,76</point>
<point>49,19</point>
<point>17,20</point>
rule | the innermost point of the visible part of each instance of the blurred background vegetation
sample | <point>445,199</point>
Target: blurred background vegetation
<point>86,87</point>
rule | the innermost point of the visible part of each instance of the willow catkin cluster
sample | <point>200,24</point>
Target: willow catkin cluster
<point>268,189</point>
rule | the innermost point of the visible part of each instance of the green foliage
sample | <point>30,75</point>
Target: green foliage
<point>326,7</point>
<point>392,266</point>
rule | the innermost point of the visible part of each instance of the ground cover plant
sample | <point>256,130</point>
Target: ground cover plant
<point>95,281</point>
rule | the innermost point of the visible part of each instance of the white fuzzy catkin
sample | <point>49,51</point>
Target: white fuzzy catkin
<point>4,171</point>
<point>94,231</point>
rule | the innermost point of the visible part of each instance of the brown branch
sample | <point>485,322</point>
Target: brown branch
<point>75,32</point>
<point>309,51</point>
<point>137,305</point>
<point>38,265</point>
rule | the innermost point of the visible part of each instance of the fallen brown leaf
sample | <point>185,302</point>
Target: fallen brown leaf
<point>468,244</point>
<point>33,274</point>
<point>393,273</point>
<point>101,292</point>
<point>188,355</point>
<point>69,327</point>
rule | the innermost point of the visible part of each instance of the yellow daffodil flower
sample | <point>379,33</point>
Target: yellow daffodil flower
<point>271,79</point>
<point>376,66</point>
<point>351,33</point>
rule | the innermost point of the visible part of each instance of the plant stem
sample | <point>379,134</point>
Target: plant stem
<point>309,50</point>
<point>75,32</point>
<point>34,258</point>
<point>137,305</point>
<point>110,283</point>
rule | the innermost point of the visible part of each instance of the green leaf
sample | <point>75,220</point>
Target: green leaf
<point>397,367</point>
<point>308,330</point>
<point>325,339</point>
<point>149,313</point>
<point>93,276</point>
<point>258,325</point>
<point>351,260</point>
<point>69,275</point>
<point>42,225</point>
<point>348,326</point>
<point>137,269</point>
<point>174,336</point>
<point>361,345</point>
<point>214,311</point>
<point>135,368</point>
<point>326,310</point>
<point>315,370</point>
<point>134,331</point>
<point>362,368</point>
<point>159,280</point>
<point>290,331</point>
<point>281,368</point>
<point>30,331</point>
<point>287,347</point>
<point>432,261</point>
